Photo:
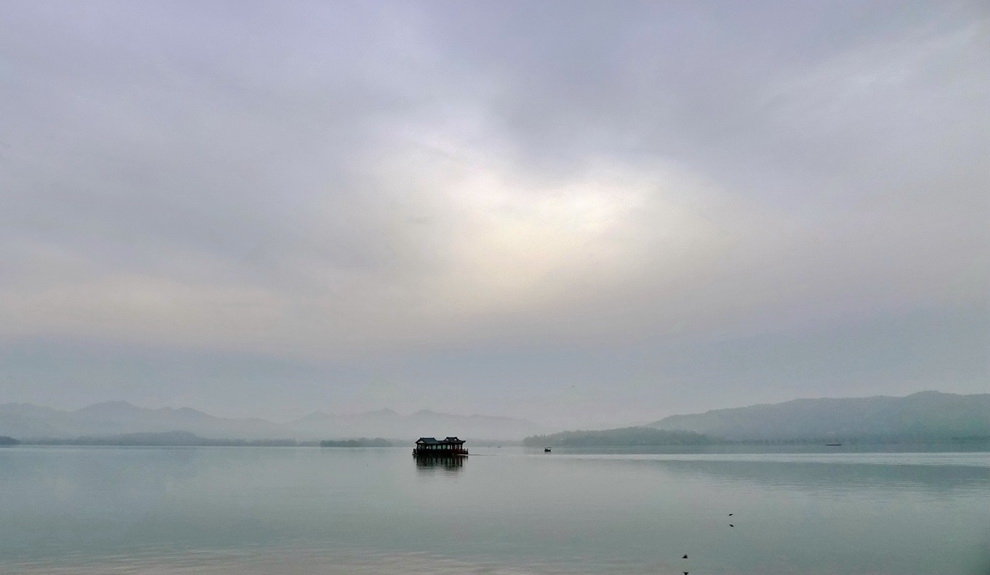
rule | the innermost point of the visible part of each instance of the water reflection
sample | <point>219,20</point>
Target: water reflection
<point>297,510</point>
<point>816,475</point>
<point>429,463</point>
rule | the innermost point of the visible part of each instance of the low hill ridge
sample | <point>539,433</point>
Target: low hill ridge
<point>115,418</point>
<point>928,415</point>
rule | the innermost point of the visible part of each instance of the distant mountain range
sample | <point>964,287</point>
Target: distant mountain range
<point>929,415</point>
<point>26,421</point>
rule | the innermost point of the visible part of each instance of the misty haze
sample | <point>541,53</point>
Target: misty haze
<point>555,288</point>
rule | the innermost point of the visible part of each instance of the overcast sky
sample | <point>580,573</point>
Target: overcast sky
<point>581,213</point>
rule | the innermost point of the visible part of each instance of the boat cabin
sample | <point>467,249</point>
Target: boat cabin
<point>447,447</point>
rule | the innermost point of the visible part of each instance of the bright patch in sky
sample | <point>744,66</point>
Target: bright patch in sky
<point>629,210</point>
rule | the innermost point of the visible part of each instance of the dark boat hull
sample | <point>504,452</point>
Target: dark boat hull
<point>440,452</point>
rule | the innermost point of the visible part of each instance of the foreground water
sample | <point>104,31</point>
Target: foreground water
<point>512,511</point>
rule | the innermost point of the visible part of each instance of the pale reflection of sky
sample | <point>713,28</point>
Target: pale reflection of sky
<point>506,511</point>
<point>939,459</point>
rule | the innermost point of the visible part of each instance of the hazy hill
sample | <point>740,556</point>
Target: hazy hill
<point>113,418</point>
<point>121,417</point>
<point>27,421</point>
<point>927,415</point>
<point>387,423</point>
<point>165,438</point>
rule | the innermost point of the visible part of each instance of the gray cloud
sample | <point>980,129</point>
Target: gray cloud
<point>665,206</point>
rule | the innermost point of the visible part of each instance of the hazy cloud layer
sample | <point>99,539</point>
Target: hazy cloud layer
<point>574,212</point>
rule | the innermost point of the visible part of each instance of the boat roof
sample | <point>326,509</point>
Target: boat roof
<point>434,440</point>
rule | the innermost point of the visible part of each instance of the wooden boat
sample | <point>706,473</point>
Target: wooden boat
<point>433,447</point>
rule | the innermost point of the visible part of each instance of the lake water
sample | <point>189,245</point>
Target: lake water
<point>163,511</point>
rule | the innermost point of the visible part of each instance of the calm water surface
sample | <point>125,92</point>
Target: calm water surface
<point>504,511</point>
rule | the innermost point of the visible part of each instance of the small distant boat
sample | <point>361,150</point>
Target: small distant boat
<point>833,445</point>
<point>546,450</point>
